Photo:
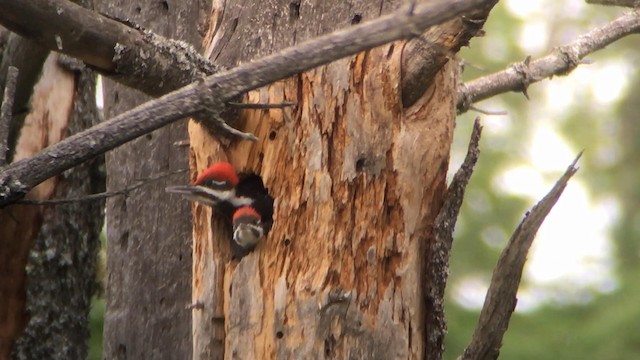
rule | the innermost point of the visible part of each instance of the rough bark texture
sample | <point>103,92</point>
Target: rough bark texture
<point>357,180</point>
<point>62,262</point>
<point>46,124</point>
<point>148,233</point>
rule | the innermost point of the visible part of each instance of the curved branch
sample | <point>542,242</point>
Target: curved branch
<point>561,61</point>
<point>500,301</point>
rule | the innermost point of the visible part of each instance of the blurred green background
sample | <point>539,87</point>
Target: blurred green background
<point>579,298</point>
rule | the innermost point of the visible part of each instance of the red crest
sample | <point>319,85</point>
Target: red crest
<point>246,211</point>
<point>220,171</point>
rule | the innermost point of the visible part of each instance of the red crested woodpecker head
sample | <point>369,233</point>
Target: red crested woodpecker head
<point>220,172</point>
<point>214,186</point>
<point>247,227</point>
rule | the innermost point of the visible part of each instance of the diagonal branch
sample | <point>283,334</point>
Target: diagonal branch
<point>561,61</point>
<point>126,53</point>
<point>212,92</point>
<point>627,3</point>
<point>501,296</point>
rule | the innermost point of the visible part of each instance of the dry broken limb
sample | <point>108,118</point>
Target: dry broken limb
<point>626,3</point>
<point>500,301</point>
<point>560,61</point>
<point>5,111</point>
<point>128,54</point>
<point>125,53</point>
<point>425,55</point>
<point>437,265</point>
<point>17,178</point>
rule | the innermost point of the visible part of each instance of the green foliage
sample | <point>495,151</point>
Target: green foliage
<point>96,320</point>
<point>600,325</point>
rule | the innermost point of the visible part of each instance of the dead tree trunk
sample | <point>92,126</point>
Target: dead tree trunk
<point>57,245</point>
<point>357,180</point>
<point>149,236</point>
<point>62,262</point>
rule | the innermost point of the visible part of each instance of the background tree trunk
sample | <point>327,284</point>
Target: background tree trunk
<point>49,253</point>
<point>148,234</point>
<point>357,180</point>
<point>62,262</point>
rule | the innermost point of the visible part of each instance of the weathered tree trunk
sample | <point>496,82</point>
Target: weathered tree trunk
<point>65,239</point>
<point>62,262</point>
<point>357,180</point>
<point>149,236</point>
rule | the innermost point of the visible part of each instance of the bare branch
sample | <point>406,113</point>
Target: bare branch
<point>6,111</point>
<point>424,56</point>
<point>626,3</point>
<point>501,296</point>
<point>212,92</point>
<point>560,62</point>
<point>437,263</point>
<point>126,53</point>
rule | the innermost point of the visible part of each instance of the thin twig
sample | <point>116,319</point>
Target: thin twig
<point>437,264</point>
<point>501,296</point>
<point>6,111</point>
<point>560,62</point>
<point>625,3</point>
<point>102,195</point>
<point>19,177</point>
<point>489,112</point>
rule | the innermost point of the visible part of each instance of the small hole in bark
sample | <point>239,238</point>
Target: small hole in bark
<point>287,242</point>
<point>356,19</point>
<point>137,9</point>
<point>161,300</point>
<point>279,335</point>
<point>234,24</point>
<point>294,10</point>
<point>261,156</point>
<point>360,164</point>
<point>390,52</point>
<point>116,97</point>
<point>148,137</point>
<point>272,135</point>
<point>122,350</point>
<point>124,239</point>
<point>165,5</point>
<point>180,257</point>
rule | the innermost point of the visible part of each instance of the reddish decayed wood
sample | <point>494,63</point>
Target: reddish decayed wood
<point>46,124</point>
<point>354,177</point>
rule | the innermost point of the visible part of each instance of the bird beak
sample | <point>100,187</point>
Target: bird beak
<point>201,194</point>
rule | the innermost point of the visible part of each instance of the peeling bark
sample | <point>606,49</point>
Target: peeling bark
<point>46,124</point>
<point>62,262</point>
<point>357,181</point>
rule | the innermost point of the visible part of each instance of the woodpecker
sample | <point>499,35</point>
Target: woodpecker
<point>215,187</point>
<point>247,230</point>
<point>244,202</point>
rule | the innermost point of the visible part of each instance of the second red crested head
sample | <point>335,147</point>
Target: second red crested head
<point>246,211</point>
<point>220,171</point>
